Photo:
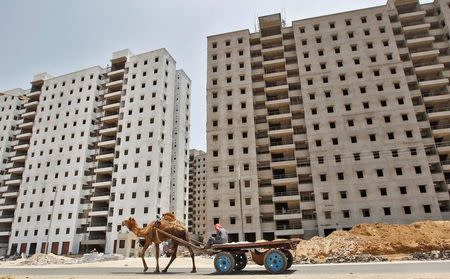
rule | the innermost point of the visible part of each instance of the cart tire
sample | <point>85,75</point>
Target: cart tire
<point>224,263</point>
<point>289,257</point>
<point>241,261</point>
<point>275,261</point>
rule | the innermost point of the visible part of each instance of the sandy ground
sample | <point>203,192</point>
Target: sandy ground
<point>181,268</point>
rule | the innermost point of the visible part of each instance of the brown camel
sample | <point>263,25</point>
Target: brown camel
<point>167,224</point>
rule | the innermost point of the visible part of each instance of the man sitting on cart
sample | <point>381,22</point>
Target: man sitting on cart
<point>220,238</point>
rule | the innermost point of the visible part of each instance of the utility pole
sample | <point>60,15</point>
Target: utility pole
<point>240,200</point>
<point>55,190</point>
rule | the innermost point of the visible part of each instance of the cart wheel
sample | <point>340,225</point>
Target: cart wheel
<point>224,262</point>
<point>241,261</point>
<point>275,261</point>
<point>289,257</point>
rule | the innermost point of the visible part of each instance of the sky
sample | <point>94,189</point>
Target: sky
<point>60,37</point>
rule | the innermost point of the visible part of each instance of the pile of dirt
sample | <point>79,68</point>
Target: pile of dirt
<point>45,259</point>
<point>376,239</point>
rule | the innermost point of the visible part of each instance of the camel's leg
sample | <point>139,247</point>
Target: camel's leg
<point>142,253</point>
<point>157,257</point>
<point>174,255</point>
<point>194,269</point>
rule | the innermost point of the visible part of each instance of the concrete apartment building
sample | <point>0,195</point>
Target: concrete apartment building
<point>330,122</point>
<point>92,148</point>
<point>10,102</point>
<point>197,192</point>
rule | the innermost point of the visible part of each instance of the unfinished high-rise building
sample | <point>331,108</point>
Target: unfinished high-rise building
<point>330,122</point>
<point>197,192</point>
<point>86,150</point>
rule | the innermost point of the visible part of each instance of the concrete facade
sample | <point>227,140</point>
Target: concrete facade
<point>197,192</point>
<point>333,121</point>
<point>96,146</point>
<point>10,104</point>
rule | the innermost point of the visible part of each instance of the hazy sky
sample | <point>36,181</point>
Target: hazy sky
<point>59,36</point>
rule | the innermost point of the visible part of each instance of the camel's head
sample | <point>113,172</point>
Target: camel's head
<point>169,217</point>
<point>129,223</point>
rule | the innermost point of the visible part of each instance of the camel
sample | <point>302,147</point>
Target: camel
<point>168,224</point>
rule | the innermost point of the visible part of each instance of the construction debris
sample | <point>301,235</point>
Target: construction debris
<point>45,259</point>
<point>375,240</point>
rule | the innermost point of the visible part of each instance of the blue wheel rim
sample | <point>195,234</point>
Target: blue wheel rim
<point>223,263</point>
<point>274,262</point>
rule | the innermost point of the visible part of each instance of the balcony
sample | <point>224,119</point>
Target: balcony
<point>288,230</point>
<point>278,114</point>
<point>280,130</point>
<point>420,42</point>
<point>283,162</point>
<point>443,148</point>
<point>5,232</point>
<point>275,48</point>
<point>102,211</point>
<point>100,197</point>
<point>276,88</point>
<point>102,184</point>
<point>25,146</point>
<point>281,145</point>
<point>116,73</point>
<point>107,143</point>
<point>274,101</point>
<point>11,194</point>
<point>445,165</point>
<point>8,207</point>
<point>274,74</point>
<point>113,96</point>
<point>438,113</point>
<point>413,16</point>
<point>97,229</point>
<point>33,104</point>
<point>29,115</point>
<point>108,131</point>
<point>114,84</point>
<point>112,107</point>
<point>287,214</point>
<point>273,38</point>
<point>16,170</point>
<point>23,136</point>
<point>105,170</point>
<point>416,28</point>
<point>110,119</point>
<point>7,218</point>
<point>33,94</point>
<point>20,158</point>
<point>26,125</point>
<point>436,97</point>
<point>429,69</point>
<point>440,130</point>
<point>284,178</point>
<point>105,157</point>
<point>424,55</point>
<point>274,62</point>
<point>286,196</point>
<point>433,84</point>
<point>13,182</point>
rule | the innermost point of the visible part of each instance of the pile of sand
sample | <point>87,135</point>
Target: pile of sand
<point>45,259</point>
<point>377,239</point>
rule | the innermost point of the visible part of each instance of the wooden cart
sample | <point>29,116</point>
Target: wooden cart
<point>274,255</point>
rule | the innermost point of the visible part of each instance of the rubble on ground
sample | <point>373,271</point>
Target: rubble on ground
<point>432,255</point>
<point>99,257</point>
<point>375,240</point>
<point>46,259</point>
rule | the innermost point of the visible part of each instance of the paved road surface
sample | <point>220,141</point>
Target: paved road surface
<point>374,270</point>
